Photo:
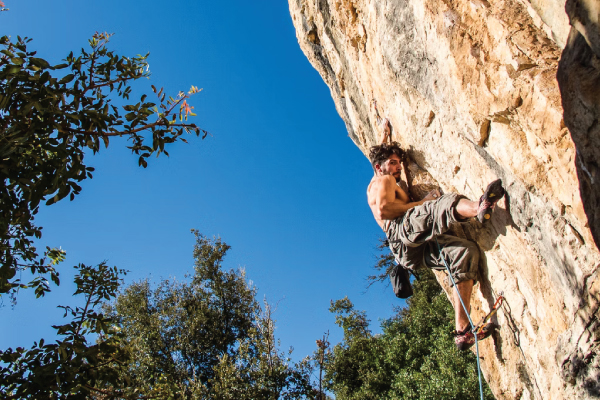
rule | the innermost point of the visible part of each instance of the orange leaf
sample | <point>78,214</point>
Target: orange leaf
<point>188,109</point>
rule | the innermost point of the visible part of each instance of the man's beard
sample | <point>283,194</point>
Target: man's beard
<point>398,178</point>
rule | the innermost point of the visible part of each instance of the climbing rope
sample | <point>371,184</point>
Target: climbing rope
<point>473,328</point>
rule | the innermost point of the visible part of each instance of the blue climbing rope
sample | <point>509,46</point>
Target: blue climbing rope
<point>468,316</point>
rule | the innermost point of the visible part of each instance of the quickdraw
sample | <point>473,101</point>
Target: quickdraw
<point>480,326</point>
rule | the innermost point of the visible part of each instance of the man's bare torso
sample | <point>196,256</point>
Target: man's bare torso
<point>378,184</point>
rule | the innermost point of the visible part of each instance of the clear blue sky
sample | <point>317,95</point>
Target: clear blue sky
<point>279,179</point>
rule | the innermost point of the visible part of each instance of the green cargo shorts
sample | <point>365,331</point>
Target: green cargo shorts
<point>412,239</point>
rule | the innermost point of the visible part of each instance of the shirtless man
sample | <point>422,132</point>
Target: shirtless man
<point>413,227</point>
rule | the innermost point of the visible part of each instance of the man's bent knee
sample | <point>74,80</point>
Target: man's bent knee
<point>466,266</point>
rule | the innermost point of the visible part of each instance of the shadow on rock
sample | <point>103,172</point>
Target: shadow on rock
<point>579,82</point>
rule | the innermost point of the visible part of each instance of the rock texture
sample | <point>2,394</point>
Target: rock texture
<point>470,87</point>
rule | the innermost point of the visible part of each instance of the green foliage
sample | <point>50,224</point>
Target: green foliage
<point>414,358</point>
<point>385,264</point>
<point>71,368</point>
<point>258,371</point>
<point>205,339</point>
<point>50,116</point>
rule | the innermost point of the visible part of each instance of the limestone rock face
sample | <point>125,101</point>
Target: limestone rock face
<point>471,90</point>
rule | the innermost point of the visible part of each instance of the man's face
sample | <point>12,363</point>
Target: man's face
<point>391,166</point>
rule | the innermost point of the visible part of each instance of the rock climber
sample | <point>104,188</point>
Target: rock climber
<point>413,227</point>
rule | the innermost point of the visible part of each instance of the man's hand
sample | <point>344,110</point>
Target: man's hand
<point>387,131</point>
<point>433,195</point>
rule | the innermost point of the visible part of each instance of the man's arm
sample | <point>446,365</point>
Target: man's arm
<point>387,205</point>
<point>387,130</point>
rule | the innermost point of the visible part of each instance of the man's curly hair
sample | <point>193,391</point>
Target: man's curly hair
<point>381,153</point>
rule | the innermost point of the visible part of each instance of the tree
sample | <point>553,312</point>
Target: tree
<point>259,371</point>
<point>208,338</point>
<point>414,358</point>
<point>72,368</point>
<point>50,117</point>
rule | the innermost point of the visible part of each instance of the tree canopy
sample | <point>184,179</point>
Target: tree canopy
<point>414,358</point>
<point>209,338</point>
<point>51,116</point>
<point>74,367</point>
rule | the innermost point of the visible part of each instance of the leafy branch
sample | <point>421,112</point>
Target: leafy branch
<point>72,366</point>
<point>50,116</point>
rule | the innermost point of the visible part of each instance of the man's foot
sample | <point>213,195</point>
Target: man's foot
<point>493,193</point>
<point>465,340</point>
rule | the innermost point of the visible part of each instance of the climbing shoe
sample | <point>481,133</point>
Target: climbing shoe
<point>466,339</point>
<point>487,202</point>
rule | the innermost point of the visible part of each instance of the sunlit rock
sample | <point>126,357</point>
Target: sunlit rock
<point>471,90</point>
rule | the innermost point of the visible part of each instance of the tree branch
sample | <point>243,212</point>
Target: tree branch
<point>87,304</point>
<point>121,133</point>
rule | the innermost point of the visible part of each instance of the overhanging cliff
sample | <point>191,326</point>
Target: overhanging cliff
<point>471,90</point>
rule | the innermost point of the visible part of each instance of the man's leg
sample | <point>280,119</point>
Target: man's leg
<point>483,208</point>
<point>464,337</point>
<point>423,223</point>
<point>462,257</point>
<point>467,208</point>
<point>465,288</point>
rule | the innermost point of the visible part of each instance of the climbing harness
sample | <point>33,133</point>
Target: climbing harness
<point>475,329</point>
